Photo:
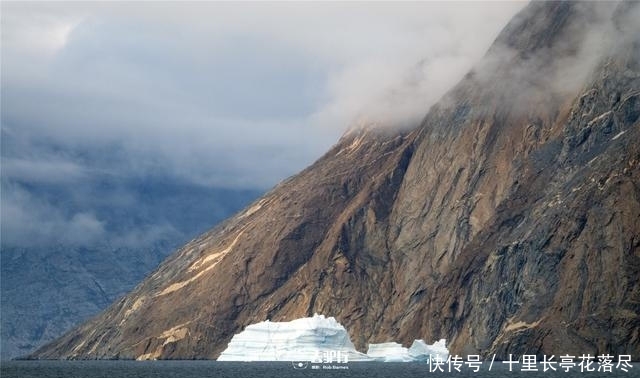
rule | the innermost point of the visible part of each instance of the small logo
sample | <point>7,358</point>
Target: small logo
<point>300,364</point>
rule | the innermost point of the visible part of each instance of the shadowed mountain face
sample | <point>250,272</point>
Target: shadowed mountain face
<point>508,221</point>
<point>49,287</point>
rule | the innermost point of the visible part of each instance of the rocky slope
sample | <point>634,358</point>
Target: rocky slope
<point>508,221</point>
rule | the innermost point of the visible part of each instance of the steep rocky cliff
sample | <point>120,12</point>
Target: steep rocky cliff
<point>508,221</point>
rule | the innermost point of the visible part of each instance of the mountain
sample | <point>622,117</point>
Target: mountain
<point>507,221</point>
<point>48,288</point>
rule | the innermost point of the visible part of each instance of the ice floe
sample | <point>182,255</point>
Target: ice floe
<point>316,338</point>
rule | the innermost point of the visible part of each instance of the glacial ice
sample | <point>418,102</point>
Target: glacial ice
<point>304,339</point>
<point>418,352</point>
<point>317,339</point>
<point>421,351</point>
<point>389,352</point>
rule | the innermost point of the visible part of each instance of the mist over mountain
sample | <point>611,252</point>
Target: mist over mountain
<point>506,221</point>
<point>75,239</point>
<point>129,128</point>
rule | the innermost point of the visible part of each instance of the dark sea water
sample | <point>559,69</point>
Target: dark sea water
<point>188,369</point>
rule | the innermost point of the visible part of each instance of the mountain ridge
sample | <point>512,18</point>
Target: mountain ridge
<point>468,227</point>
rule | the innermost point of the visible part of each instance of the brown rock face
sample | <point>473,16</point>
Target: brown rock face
<point>508,221</point>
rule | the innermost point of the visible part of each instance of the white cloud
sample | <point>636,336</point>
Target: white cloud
<point>244,77</point>
<point>30,221</point>
<point>41,171</point>
<point>35,29</point>
<point>231,95</point>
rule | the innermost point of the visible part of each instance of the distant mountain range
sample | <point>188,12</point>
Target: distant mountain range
<point>507,221</point>
<point>51,285</point>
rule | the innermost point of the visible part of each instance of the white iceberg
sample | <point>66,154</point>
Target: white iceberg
<point>389,352</point>
<point>418,352</point>
<point>421,351</point>
<point>315,339</point>
<point>318,339</point>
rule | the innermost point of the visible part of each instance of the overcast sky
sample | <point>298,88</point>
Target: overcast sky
<point>225,95</point>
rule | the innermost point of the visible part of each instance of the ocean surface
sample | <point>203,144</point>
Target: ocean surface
<point>188,369</point>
